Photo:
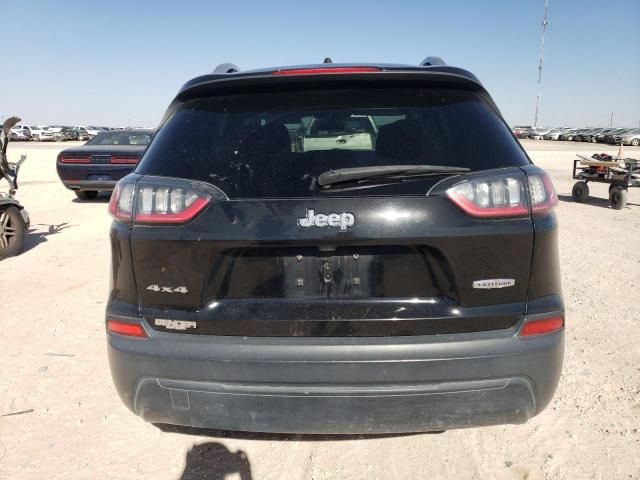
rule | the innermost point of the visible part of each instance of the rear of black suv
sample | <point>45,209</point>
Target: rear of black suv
<point>335,249</point>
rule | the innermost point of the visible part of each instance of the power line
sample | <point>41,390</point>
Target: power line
<point>541,64</point>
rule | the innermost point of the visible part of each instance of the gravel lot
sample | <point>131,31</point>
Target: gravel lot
<point>60,416</point>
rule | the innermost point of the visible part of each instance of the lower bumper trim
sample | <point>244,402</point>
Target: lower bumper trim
<point>335,409</point>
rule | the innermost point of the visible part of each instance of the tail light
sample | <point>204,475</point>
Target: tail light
<point>126,328</point>
<point>160,201</point>
<point>540,326</point>
<point>505,195</point>
<point>125,160</point>
<point>66,159</point>
<point>543,195</point>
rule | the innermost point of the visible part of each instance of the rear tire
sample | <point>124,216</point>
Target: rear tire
<point>580,192</point>
<point>635,142</point>
<point>618,197</point>
<point>12,232</point>
<point>86,194</point>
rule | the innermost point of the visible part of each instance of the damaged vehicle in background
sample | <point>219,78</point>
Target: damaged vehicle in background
<point>61,133</point>
<point>85,133</point>
<point>19,133</point>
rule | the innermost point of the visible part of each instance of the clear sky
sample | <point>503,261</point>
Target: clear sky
<point>116,62</point>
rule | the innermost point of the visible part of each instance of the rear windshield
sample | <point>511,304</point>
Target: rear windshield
<point>277,144</point>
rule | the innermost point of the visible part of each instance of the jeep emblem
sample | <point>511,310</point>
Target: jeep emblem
<point>335,220</point>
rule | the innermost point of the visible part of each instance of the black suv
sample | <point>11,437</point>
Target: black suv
<point>392,269</point>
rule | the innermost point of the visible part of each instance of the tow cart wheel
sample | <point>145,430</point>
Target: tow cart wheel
<point>618,197</point>
<point>580,192</point>
<point>12,232</point>
<point>635,142</point>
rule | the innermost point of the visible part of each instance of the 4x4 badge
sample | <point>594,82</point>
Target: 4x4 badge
<point>494,283</point>
<point>335,220</point>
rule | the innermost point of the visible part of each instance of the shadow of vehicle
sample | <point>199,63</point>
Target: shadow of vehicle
<point>36,236</point>
<point>278,437</point>
<point>595,201</point>
<point>214,461</point>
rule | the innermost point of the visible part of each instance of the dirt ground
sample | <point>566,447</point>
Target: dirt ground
<point>60,417</point>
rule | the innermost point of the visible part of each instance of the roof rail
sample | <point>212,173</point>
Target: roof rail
<point>226,68</point>
<point>429,61</point>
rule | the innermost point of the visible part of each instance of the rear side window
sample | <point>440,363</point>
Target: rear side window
<point>276,144</point>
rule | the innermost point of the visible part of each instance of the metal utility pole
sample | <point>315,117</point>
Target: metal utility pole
<point>540,65</point>
<point>611,120</point>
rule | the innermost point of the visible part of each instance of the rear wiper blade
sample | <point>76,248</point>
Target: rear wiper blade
<point>342,175</point>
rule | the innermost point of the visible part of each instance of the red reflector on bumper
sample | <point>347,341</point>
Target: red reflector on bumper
<point>124,328</point>
<point>544,325</point>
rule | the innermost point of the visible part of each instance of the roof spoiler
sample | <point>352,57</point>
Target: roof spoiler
<point>231,68</point>
<point>432,61</point>
<point>226,68</point>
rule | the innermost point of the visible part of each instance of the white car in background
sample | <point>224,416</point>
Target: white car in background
<point>38,133</point>
<point>538,133</point>
<point>19,133</point>
<point>46,135</point>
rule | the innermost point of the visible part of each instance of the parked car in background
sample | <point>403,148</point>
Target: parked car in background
<point>588,135</point>
<point>86,133</point>
<point>41,133</point>
<point>62,133</point>
<point>555,133</point>
<point>67,134</point>
<point>631,137</point>
<point>98,164</point>
<point>28,131</point>
<point>522,131</point>
<point>577,136</point>
<point>538,133</point>
<point>599,137</point>
<point>18,133</point>
<point>569,134</point>
<point>610,138</point>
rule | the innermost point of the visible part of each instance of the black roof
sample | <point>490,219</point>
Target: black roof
<point>227,78</point>
<point>447,70</point>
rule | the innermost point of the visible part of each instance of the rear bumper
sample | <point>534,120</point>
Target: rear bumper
<point>336,385</point>
<point>92,176</point>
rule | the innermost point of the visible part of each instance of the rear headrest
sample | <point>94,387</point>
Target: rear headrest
<point>399,138</point>
<point>268,140</point>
